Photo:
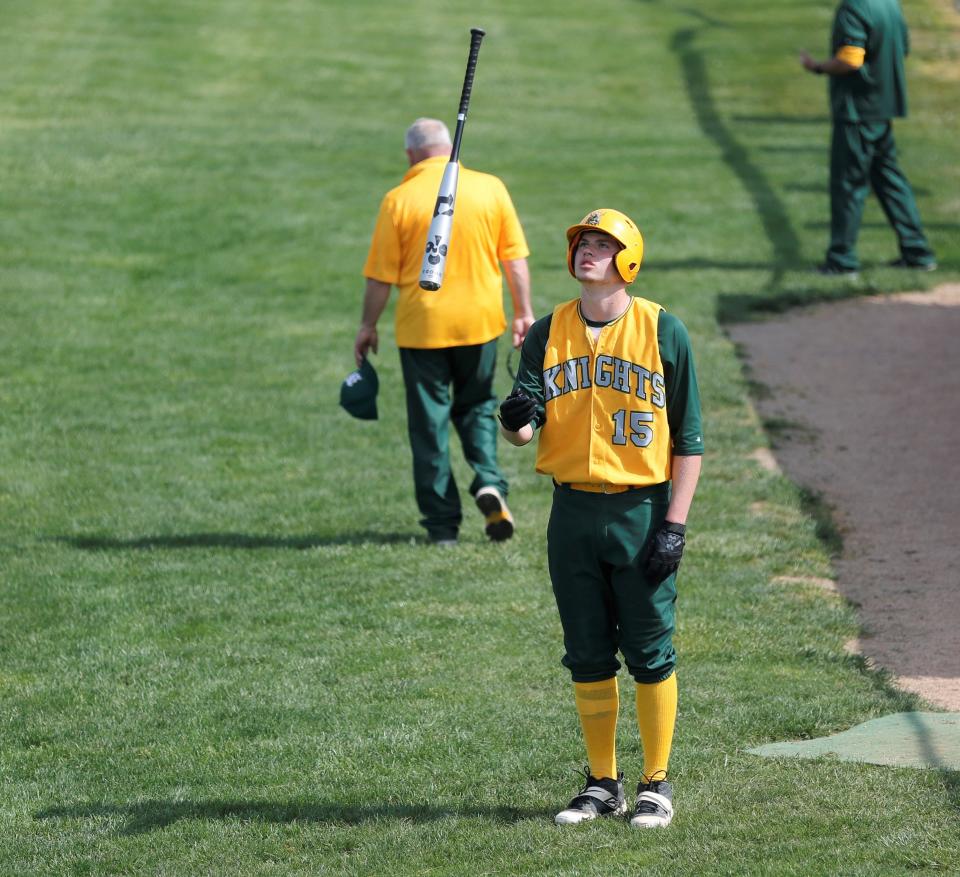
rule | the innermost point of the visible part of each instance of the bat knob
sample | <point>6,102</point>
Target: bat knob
<point>429,285</point>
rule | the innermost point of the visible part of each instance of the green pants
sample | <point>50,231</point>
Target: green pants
<point>595,547</point>
<point>864,156</point>
<point>443,385</point>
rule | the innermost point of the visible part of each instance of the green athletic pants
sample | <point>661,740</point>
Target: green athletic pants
<point>595,548</point>
<point>443,385</point>
<point>864,156</point>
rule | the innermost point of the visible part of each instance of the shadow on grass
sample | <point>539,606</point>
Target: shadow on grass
<point>232,540</point>
<point>793,149</point>
<point>938,226</point>
<point>699,264</point>
<point>747,307</point>
<point>779,119</point>
<point>824,189</point>
<point>772,213</point>
<point>153,815</point>
<point>815,506</point>
<point>951,785</point>
<point>950,778</point>
<point>744,307</point>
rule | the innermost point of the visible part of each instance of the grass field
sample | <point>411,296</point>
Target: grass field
<point>224,646</point>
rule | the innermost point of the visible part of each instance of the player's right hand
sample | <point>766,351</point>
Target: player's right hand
<point>517,410</point>
<point>665,552</point>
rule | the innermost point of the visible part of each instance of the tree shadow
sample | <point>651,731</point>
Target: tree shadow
<point>747,307</point>
<point>744,307</point>
<point>824,189</point>
<point>794,148</point>
<point>699,264</point>
<point>242,541</point>
<point>787,251</point>
<point>142,817</point>
<point>939,226</point>
<point>950,778</point>
<point>693,12</point>
<point>782,120</point>
<point>951,785</point>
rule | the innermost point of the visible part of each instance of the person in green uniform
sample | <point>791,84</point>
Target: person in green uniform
<point>608,379</point>
<point>448,338</point>
<point>868,88</point>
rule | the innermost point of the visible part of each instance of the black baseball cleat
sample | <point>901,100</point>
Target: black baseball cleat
<point>603,797</point>
<point>912,266</point>
<point>499,521</point>
<point>653,807</point>
<point>828,270</point>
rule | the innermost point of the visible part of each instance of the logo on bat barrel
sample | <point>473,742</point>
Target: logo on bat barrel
<point>441,201</point>
<point>435,250</point>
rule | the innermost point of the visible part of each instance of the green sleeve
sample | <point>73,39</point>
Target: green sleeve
<point>680,379</point>
<point>530,371</point>
<point>850,28</point>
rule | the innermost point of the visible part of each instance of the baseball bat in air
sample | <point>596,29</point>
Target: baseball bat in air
<point>438,238</point>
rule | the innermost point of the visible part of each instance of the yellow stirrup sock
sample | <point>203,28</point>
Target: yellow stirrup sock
<point>656,716</point>
<point>598,704</point>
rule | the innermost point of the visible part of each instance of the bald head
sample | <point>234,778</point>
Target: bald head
<point>426,138</point>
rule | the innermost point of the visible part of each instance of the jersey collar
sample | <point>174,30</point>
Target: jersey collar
<point>597,325</point>
<point>421,166</point>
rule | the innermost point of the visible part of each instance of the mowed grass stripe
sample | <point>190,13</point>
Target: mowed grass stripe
<point>224,649</point>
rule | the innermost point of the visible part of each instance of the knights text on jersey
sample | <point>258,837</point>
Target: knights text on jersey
<point>615,409</point>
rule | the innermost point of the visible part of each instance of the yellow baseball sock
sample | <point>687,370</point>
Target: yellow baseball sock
<point>656,716</point>
<point>598,704</point>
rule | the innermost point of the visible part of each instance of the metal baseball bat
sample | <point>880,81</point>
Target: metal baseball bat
<point>438,237</point>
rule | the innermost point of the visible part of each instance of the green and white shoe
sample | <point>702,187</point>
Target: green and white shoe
<point>603,797</point>
<point>653,807</point>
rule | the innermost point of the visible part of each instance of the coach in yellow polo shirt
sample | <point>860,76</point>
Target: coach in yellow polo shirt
<point>448,338</point>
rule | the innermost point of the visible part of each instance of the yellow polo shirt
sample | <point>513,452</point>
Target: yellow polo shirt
<point>468,307</point>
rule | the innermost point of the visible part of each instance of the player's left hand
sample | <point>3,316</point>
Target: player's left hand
<point>665,552</point>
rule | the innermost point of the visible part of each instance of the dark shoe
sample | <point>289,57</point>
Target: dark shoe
<point>912,266</point>
<point>654,805</point>
<point>602,797</point>
<point>828,270</point>
<point>498,520</point>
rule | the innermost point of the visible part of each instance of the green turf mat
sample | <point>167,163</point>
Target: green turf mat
<point>925,740</point>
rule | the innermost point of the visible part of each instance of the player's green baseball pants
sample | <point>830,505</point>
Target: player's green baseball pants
<point>444,385</point>
<point>864,156</point>
<point>595,549</point>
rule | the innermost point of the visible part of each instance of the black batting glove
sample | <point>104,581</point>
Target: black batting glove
<point>666,549</point>
<point>517,410</point>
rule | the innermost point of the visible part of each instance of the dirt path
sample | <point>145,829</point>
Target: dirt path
<point>872,387</point>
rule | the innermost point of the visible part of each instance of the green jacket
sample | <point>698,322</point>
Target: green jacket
<point>877,91</point>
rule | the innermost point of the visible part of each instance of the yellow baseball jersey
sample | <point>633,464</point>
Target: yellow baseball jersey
<point>605,400</point>
<point>468,307</point>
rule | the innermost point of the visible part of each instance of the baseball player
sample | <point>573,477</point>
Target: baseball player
<point>868,89</point>
<point>609,381</point>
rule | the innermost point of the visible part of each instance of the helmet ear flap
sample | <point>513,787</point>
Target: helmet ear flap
<point>627,264</point>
